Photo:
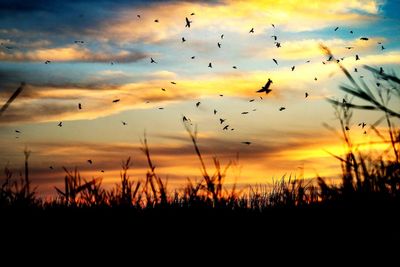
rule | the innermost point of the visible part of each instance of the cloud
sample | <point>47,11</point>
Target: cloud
<point>233,16</point>
<point>72,53</point>
<point>306,49</point>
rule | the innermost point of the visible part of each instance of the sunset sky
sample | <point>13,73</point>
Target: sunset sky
<point>113,62</point>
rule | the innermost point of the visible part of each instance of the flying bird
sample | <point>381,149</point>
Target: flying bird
<point>382,47</point>
<point>79,106</point>
<point>251,100</point>
<point>275,37</point>
<point>234,67</point>
<point>273,25</point>
<point>17,131</point>
<point>276,62</point>
<point>355,70</point>
<point>160,108</point>
<point>265,88</point>
<point>188,23</point>
<point>347,128</point>
<point>163,89</point>
<point>219,44</point>
<point>252,30</point>
<point>51,168</point>
<point>226,127</point>
<point>336,28</point>
<point>156,20</point>
<point>277,44</point>
<point>364,38</point>
<point>246,143</point>
<point>198,104</point>
<point>221,121</point>
<point>349,47</point>
<point>116,100</point>
<point>222,36</point>
<point>184,119</point>
<point>192,14</point>
<point>124,123</point>
<point>215,111</point>
<point>138,16</point>
<point>60,124</point>
<point>363,124</point>
<point>381,71</point>
<point>245,112</point>
<point>210,65</point>
<point>351,32</point>
<point>293,68</point>
<point>90,161</point>
<point>282,108</point>
<point>183,39</point>
<point>193,57</point>
<point>152,60</point>
<point>47,62</point>
<point>357,57</point>
<point>306,95</point>
<point>12,98</point>
<point>173,82</point>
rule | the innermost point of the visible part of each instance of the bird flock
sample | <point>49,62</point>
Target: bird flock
<point>265,90</point>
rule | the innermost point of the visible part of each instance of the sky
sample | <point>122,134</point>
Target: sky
<point>100,51</point>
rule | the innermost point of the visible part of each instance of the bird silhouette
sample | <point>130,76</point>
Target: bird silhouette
<point>278,44</point>
<point>351,32</point>
<point>138,16</point>
<point>347,128</point>
<point>357,57</point>
<point>234,67</point>
<point>47,62</point>
<point>210,65</point>
<point>275,37</point>
<point>355,70</point>
<point>226,127</point>
<point>152,60</point>
<point>349,47</point>
<point>381,71</point>
<point>90,161</point>
<point>293,68</point>
<point>12,98</point>
<point>160,108</point>
<point>183,39</point>
<point>60,124</point>
<point>193,57</point>
<point>246,143</point>
<point>251,100</point>
<point>184,119</point>
<point>187,22</point>
<point>252,30</point>
<point>276,62</point>
<point>245,112</point>
<point>219,44</point>
<point>123,123</point>
<point>163,89</point>
<point>222,36</point>
<point>382,47</point>
<point>282,108</point>
<point>51,168</point>
<point>221,121</point>
<point>79,106</point>
<point>17,131</point>
<point>173,82</point>
<point>265,88</point>
<point>116,100</point>
<point>363,124</point>
<point>336,28</point>
<point>192,14</point>
<point>198,104</point>
<point>364,38</point>
<point>215,111</point>
<point>156,20</point>
<point>306,95</point>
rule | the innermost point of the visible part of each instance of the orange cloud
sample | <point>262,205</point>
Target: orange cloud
<point>71,53</point>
